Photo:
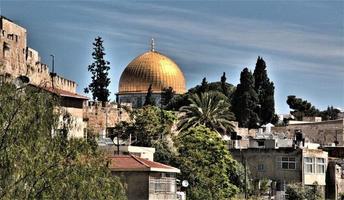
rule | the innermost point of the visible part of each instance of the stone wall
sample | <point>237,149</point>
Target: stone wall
<point>16,58</point>
<point>325,133</point>
<point>100,117</point>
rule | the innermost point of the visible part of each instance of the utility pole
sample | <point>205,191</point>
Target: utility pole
<point>52,73</point>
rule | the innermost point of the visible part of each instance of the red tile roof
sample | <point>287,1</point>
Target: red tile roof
<point>135,163</point>
<point>62,93</point>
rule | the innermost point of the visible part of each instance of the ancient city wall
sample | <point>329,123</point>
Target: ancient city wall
<point>100,117</point>
<point>16,59</point>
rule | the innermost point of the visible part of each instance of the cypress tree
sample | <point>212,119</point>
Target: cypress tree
<point>223,84</point>
<point>204,86</point>
<point>149,97</point>
<point>99,70</point>
<point>265,90</point>
<point>245,101</point>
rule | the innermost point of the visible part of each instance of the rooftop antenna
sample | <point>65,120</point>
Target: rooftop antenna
<point>152,45</point>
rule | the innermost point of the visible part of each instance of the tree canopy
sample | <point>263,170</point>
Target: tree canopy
<point>166,96</point>
<point>99,70</point>
<point>265,91</point>
<point>148,125</point>
<point>183,100</point>
<point>245,102</point>
<point>210,109</point>
<point>301,107</point>
<point>36,164</point>
<point>149,101</point>
<point>207,165</point>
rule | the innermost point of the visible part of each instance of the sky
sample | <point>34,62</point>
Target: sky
<point>302,42</point>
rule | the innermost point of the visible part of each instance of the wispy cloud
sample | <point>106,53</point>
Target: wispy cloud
<point>213,34</point>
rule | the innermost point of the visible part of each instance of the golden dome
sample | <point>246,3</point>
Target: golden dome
<point>153,68</point>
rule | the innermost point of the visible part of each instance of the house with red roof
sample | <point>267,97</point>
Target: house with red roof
<point>145,179</point>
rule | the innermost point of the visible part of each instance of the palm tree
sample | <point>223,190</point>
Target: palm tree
<point>210,109</point>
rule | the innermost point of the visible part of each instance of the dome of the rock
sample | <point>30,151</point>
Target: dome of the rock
<point>150,68</point>
<point>153,68</point>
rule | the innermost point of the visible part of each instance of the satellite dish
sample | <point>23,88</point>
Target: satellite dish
<point>21,81</point>
<point>185,183</point>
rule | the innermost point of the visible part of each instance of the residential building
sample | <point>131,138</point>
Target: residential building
<point>283,161</point>
<point>145,179</point>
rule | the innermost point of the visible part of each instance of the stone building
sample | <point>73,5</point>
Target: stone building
<point>150,68</point>
<point>326,133</point>
<point>284,165</point>
<point>18,59</point>
<point>145,179</point>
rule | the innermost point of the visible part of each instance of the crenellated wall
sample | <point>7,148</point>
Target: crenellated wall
<point>16,59</point>
<point>100,116</point>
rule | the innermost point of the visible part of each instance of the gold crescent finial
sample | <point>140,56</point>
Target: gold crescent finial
<point>152,45</point>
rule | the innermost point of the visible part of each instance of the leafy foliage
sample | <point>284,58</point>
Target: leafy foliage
<point>301,107</point>
<point>35,164</point>
<point>330,113</point>
<point>99,70</point>
<point>164,152</point>
<point>209,109</point>
<point>299,192</point>
<point>206,163</point>
<point>265,91</point>
<point>245,102</point>
<point>295,192</point>
<point>183,100</point>
<point>149,124</point>
<point>166,96</point>
<point>150,101</point>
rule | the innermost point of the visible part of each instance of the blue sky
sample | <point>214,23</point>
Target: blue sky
<point>302,42</point>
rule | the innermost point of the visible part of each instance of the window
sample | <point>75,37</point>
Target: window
<point>315,165</point>
<point>260,143</point>
<point>288,163</point>
<point>260,167</point>
<point>162,185</point>
<point>320,165</point>
<point>309,165</point>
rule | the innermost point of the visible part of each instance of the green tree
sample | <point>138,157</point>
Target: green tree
<point>207,165</point>
<point>300,192</point>
<point>38,163</point>
<point>224,85</point>
<point>265,91</point>
<point>166,96</point>
<point>301,108</point>
<point>99,70</point>
<point>209,109</point>
<point>182,100</point>
<point>330,113</point>
<point>149,124</point>
<point>314,192</point>
<point>204,86</point>
<point>295,192</point>
<point>149,97</point>
<point>245,102</point>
